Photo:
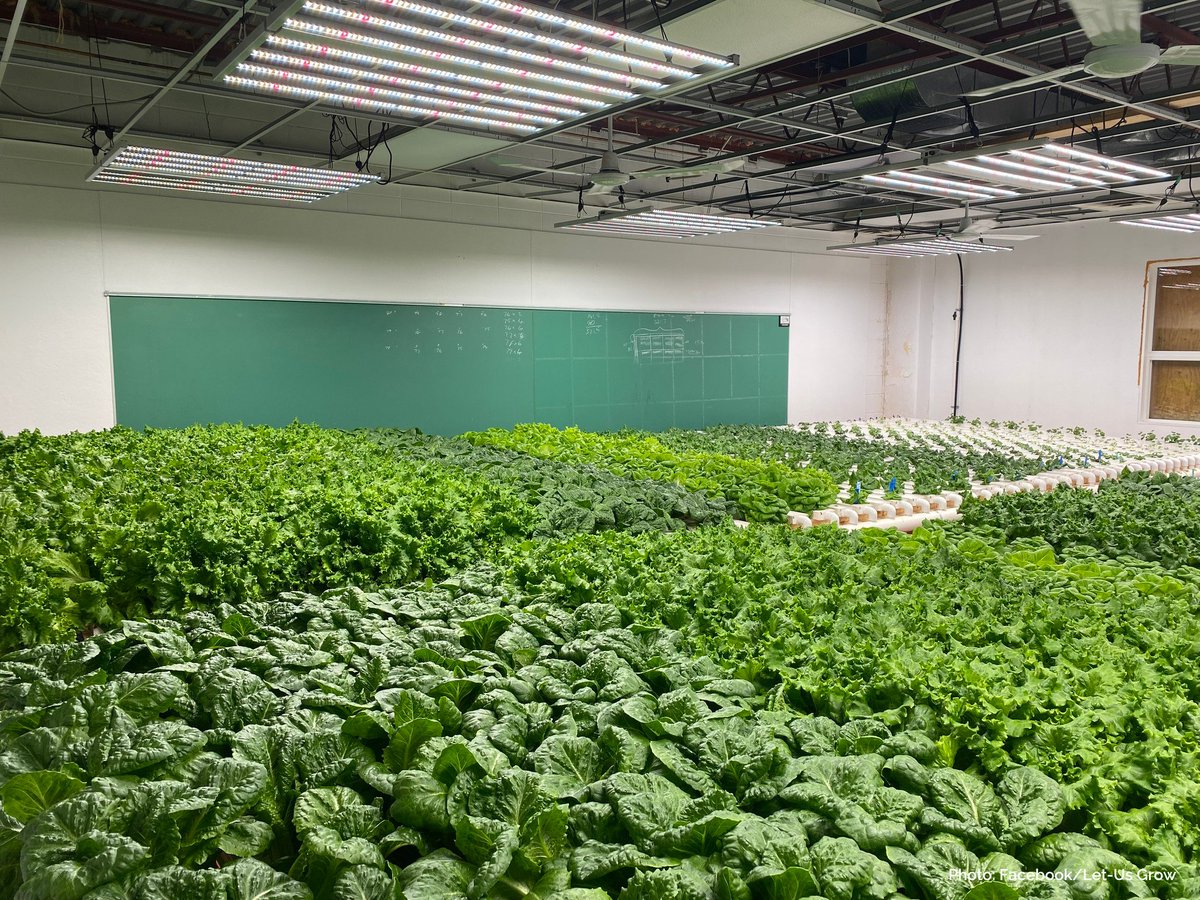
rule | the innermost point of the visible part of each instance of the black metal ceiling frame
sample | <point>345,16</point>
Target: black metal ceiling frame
<point>962,51</point>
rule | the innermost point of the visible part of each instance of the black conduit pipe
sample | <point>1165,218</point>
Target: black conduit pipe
<point>958,316</point>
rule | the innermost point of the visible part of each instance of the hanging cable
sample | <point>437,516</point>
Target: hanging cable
<point>654,4</point>
<point>971,122</point>
<point>958,317</point>
<point>1162,201</point>
<point>887,138</point>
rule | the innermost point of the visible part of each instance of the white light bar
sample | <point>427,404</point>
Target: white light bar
<point>605,32</point>
<point>503,117</point>
<point>313,54</point>
<point>406,49</point>
<point>941,187</point>
<point>1051,167</point>
<point>198,174</point>
<point>437,36</point>
<point>485,64</point>
<point>663,223</point>
<point>933,245</point>
<point>352,76</point>
<point>1181,223</point>
<point>1075,167</point>
<point>372,105</point>
<point>949,183</point>
<point>1104,161</point>
<point>573,46</point>
<point>975,168</point>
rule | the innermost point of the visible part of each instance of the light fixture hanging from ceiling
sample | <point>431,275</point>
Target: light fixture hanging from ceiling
<point>1008,174</point>
<point>194,173</point>
<point>493,65</point>
<point>662,223</point>
<point>929,245</point>
<point>1186,222</point>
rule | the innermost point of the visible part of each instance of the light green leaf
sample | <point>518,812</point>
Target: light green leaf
<point>1033,804</point>
<point>568,765</point>
<point>249,879</point>
<point>454,759</point>
<point>245,837</point>
<point>319,807</point>
<point>592,860</point>
<point>362,883</point>
<point>439,876</point>
<point>25,795</point>
<point>420,802</point>
<point>175,883</point>
<point>543,837</point>
<point>482,632</point>
<point>406,742</point>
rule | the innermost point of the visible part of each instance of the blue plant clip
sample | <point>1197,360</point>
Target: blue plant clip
<point>892,484</point>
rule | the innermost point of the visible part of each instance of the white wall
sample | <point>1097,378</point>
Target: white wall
<point>61,249</point>
<point>1052,330</point>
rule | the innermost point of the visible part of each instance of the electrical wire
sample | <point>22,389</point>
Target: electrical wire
<point>958,316</point>
<point>50,114</point>
<point>655,5</point>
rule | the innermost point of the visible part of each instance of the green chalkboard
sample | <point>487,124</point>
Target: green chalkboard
<point>445,369</point>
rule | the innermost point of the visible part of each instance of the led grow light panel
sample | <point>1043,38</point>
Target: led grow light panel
<point>662,223</point>
<point>1180,223</point>
<point>997,176</point>
<point>934,245</point>
<point>194,173</point>
<point>488,65</point>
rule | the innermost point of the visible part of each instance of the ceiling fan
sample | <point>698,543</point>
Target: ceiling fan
<point>611,176</point>
<point>977,229</point>
<point>1115,29</point>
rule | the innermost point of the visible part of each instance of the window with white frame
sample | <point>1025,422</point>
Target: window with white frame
<point>1171,379</point>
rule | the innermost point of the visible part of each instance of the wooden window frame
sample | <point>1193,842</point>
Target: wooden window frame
<point>1149,355</point>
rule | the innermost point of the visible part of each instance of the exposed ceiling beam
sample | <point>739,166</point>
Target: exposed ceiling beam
<point>930,144</point>
<point>10,40</point>
<point>272,126</point>
<point>1169,30</point>
<point>184,70</point>
<point>196,141</point>
<point>969,51</point>
<point>974,50</point>
<point>159,11</point>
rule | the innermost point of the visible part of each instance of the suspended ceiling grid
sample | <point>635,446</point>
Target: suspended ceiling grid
<point>800,127</point>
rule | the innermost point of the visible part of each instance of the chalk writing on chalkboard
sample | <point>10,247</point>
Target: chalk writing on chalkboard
<point>658,345</point>
<point>514,334</point>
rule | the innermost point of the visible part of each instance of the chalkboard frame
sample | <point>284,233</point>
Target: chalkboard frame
<point>677,383</point>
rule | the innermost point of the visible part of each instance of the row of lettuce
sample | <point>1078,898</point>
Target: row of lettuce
<point>631,709</point>
<point>103,526</point>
